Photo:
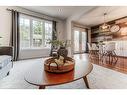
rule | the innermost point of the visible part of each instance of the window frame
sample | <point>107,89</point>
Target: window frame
<point>32,31</point>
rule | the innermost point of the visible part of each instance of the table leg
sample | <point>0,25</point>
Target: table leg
<point>86,82</point>
<point>42,87</point>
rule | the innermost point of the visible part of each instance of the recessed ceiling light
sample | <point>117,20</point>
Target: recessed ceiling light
<point>59,10</point>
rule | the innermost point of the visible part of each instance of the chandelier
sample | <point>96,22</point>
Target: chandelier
<point>105,27</point>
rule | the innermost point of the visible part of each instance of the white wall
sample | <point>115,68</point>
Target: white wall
<point>5,26</point>
<point>68,35</point>
<point>34,53</point>
<point>5,30</point>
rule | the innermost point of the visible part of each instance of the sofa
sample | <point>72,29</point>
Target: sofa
<point>6,62</point>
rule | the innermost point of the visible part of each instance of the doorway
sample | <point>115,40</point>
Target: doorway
<point>80,40</point>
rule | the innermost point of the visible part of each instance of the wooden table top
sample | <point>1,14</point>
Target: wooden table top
<point>37,76</point>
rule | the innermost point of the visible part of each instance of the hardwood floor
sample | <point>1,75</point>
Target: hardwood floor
<point>120,65</point>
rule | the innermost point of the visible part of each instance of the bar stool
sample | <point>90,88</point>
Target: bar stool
<point>93,51</point>
<point>110,53</point>
<point>101,52</point>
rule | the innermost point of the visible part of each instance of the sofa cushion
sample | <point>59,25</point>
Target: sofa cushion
<point>4,60</point>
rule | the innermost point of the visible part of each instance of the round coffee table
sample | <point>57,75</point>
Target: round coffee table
<point>37,76</point>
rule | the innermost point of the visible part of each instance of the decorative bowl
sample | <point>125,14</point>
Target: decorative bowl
<point>51,66</point>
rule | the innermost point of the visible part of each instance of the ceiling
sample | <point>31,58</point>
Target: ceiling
<point>96,16</point>
<point>87,15</point>
<point>61,12</point>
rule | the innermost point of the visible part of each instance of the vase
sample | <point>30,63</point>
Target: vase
<point>62,51</point>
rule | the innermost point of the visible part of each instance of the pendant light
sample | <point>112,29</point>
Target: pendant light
<point>105,27</point>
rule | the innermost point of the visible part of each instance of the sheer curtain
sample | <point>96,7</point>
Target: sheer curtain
<point>14,37</point>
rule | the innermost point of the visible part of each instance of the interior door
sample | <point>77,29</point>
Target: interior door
<point>80,40</point>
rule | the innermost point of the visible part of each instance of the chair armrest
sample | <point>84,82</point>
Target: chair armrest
<point>6,50</point>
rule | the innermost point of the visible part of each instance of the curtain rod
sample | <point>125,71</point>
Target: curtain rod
<point>30,15</point>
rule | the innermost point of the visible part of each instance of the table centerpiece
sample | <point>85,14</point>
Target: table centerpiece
<point>59,63</point>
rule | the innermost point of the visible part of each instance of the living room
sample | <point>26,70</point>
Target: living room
<point>33,35</point>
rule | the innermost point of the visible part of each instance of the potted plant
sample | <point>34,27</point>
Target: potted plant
<point>61,45</point>
<point>56,43</point>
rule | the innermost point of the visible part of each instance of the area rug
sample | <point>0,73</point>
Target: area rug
<point>99,78</point>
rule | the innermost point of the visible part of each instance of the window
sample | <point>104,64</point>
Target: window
<point>34,33</point>
<point>25,32</point>
<point>80,40</point>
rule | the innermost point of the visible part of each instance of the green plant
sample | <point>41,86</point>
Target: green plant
<point>56,42</point>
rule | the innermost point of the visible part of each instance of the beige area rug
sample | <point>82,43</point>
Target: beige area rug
<point>99,78</point>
